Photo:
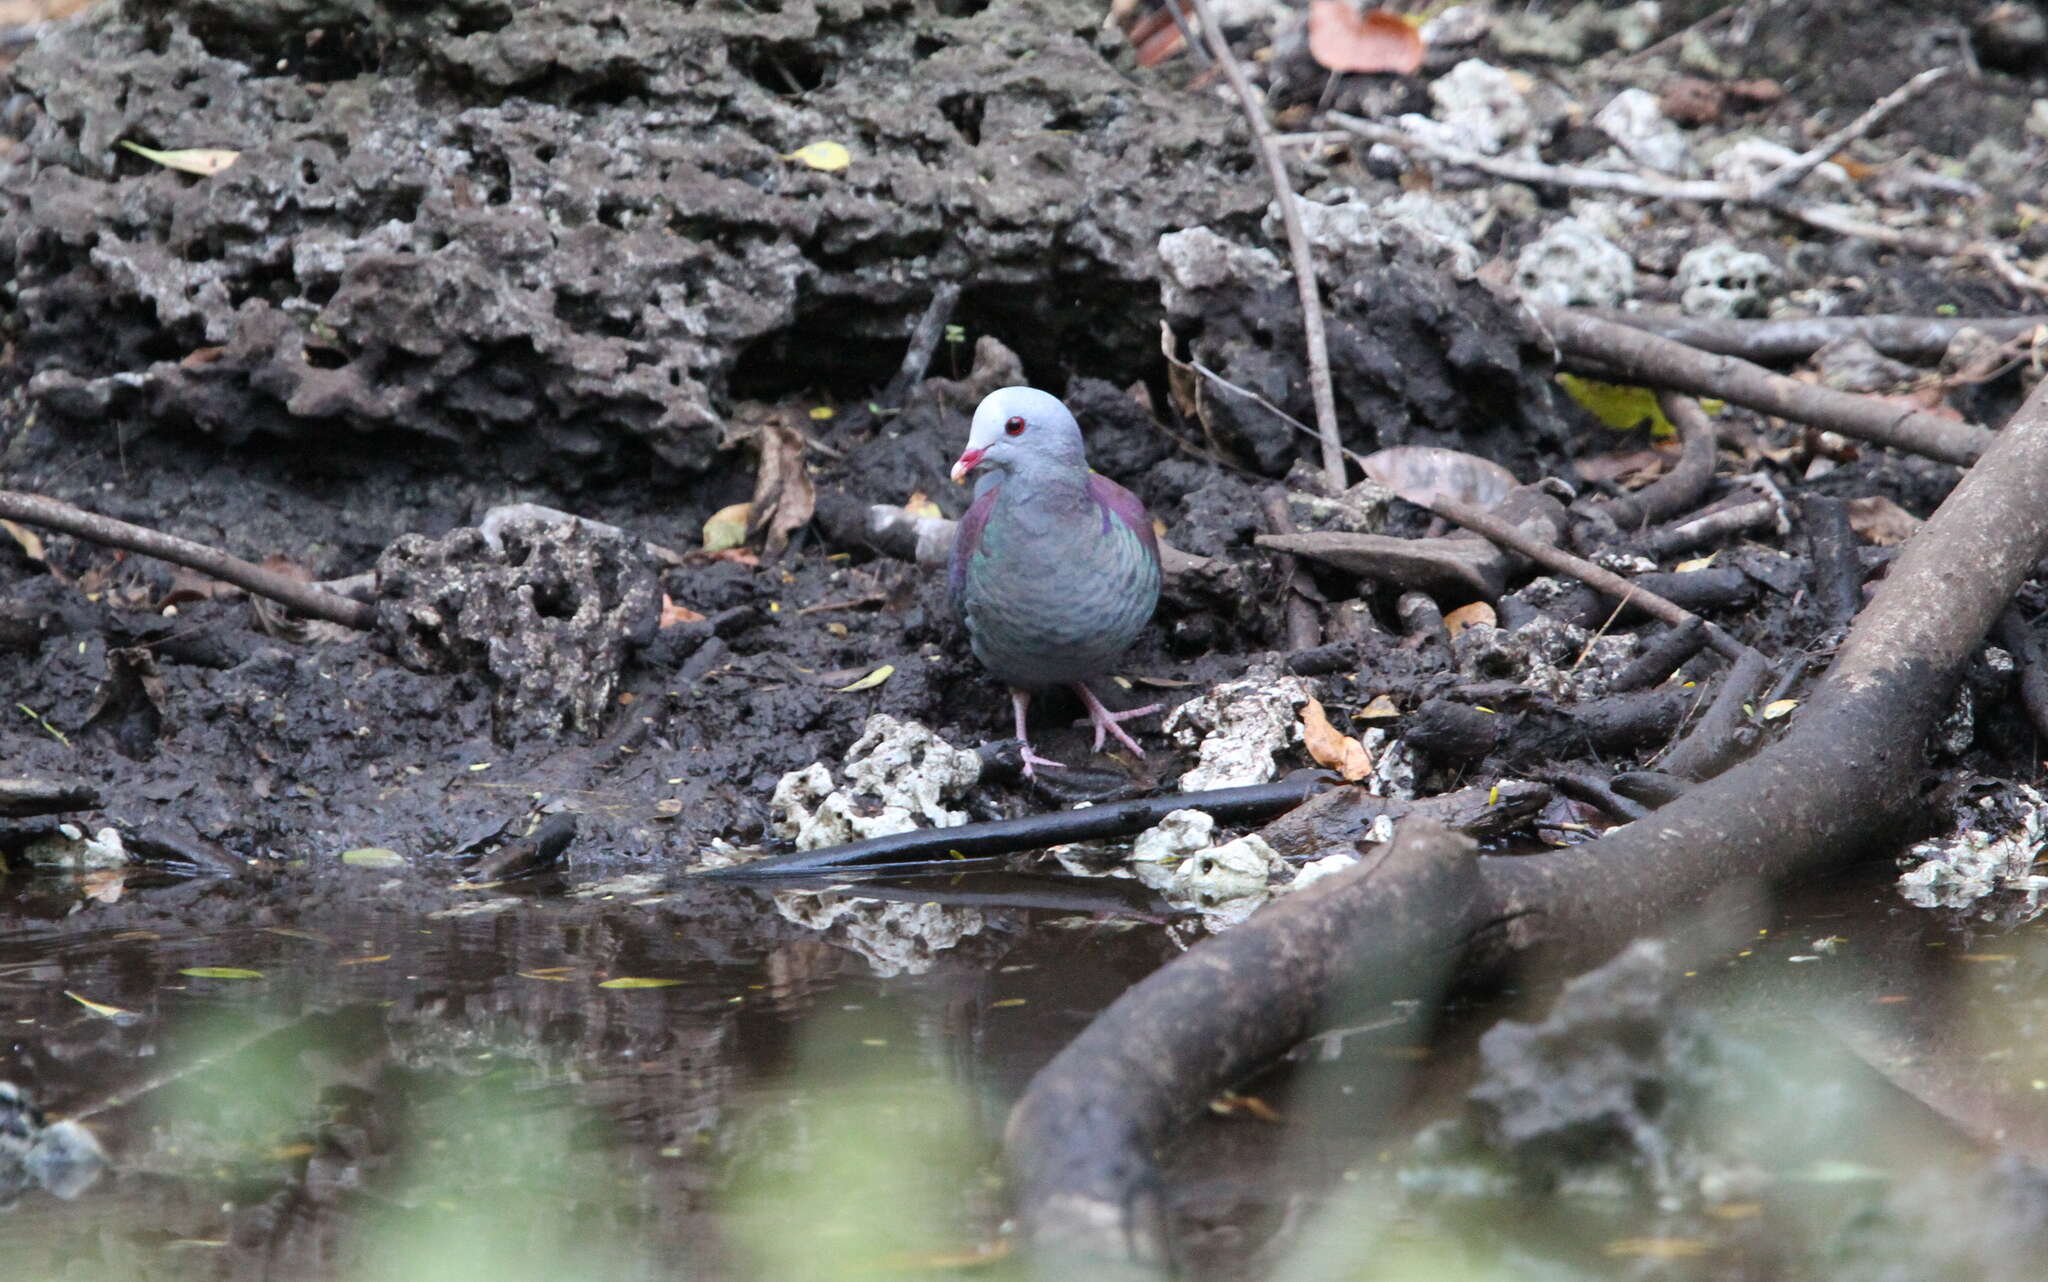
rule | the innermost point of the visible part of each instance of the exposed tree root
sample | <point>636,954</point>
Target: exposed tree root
<point>1084,1139</point>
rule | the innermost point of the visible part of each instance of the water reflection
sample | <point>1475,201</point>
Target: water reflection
<point>316,1088</point>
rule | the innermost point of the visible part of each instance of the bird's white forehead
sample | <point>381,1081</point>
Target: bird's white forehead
<point>1004,403</point>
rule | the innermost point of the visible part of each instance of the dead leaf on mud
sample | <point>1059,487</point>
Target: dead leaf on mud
<point>1422,474</point>
<point>1381,708</point>
<point>871,680</point>
<point>31,542</point>
<point>672,614</point>
<point>1342,39</point>
<point>784,498</point>
<point>1328,746</point>
<point>830,157</point>
<point>639,981</point>
<point>1152,32</point>
<point>221,972</point>
<point>1881,521</point>
<point>727,527</point>
<point>1231,1104</point>
<point>1466,616</point>
<point>204,161</point>
<point>1631,469</point>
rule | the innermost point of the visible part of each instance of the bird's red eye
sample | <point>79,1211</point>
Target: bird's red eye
<point>1015,425</point>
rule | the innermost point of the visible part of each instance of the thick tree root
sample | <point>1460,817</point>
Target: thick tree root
<point>1084,1139</point>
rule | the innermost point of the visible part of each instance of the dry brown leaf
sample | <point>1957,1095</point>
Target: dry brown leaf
<point>672,614</point>
<point>1422,474</point>
<point>1467,615</point>
<point>1881,521</point>
<point>784,498</point>
<point>1632,468</point>
<point>1156,38</point>
<point>1231,1104</point>
<point>1342,39</point>
<point>191,585</point>
<point>203,161</point>
<point>1381,708</point>
<point>1330,747</point>
<point>30,541</point>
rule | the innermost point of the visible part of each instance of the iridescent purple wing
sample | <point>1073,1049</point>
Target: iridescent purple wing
<point>967,540</point>
<point>1119,503</point>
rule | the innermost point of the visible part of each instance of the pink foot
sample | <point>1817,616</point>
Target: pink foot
<point>1033,759</point>
<point>1021,699</point>
<point>1105,721</point>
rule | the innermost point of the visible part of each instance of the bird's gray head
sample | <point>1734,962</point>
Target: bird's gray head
<point>1020,426</point>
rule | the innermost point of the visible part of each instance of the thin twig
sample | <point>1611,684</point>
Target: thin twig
<point>1255,399</point>
<point>1792,171</point>
<point>1535,172</point>
<point>304,597</point>
<point>1607,581</point>
<point>1297,246</point>
<point>924,340</point>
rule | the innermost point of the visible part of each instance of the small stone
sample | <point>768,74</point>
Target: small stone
<point>1570,265</point>
<point>1723,280</point>
<point>1639,127</point>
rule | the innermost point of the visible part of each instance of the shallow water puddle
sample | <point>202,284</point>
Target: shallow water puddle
<point>613,1084</point>
<point>629,1080</point>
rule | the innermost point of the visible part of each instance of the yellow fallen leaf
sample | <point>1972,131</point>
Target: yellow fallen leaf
<point>639,981</point>
<point>871,680</point>
<point>920,504</point>
<point>820,413</point>
<point>1381,708</point>
<point>31,542</point>
<point>828,156</point>
<point>220,972</point>
<point>1466,616</point>
<point>1329,747</point>
<point>364,961</point>
<point>372,857</point>
<point>727,527</point>
<point>1778,708</point>
<point>204,161</point>
<point>1696,564</point>
<point>1657,1248</point>
<point>103,1010</point>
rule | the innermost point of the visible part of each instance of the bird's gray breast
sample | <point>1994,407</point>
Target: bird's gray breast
<point>1056,593</point>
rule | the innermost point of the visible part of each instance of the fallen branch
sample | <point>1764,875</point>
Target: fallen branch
<point>1297,246</point>
<point>307,599</point>
<point>1921,338</point>
<point>1637,356</point>
<point>1085,1139</point>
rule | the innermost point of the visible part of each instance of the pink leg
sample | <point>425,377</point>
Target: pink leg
<point>1022,700</point>
<point>1105,721</point>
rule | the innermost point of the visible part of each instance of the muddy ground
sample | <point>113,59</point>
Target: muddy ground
<point>473,254</point>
